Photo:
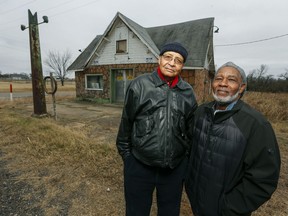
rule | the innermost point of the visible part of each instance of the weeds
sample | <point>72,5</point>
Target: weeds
<point>72,162</point>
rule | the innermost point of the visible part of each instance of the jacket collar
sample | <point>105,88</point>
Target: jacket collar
<point>158,81</point>
<point>237,106</point>
<point>221,116</point>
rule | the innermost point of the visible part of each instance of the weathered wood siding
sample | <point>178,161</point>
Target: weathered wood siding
<point>137,52</point>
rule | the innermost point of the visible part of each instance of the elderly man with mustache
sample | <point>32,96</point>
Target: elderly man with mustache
<point>234,162</point>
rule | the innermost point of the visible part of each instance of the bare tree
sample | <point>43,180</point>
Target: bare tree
<point>261,72</point>
<point>257,78</point>
<point>284,75</point>
<point>59,63</point>
<point>251,74</point>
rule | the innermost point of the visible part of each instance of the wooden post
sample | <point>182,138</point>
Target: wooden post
<point>39,101</point>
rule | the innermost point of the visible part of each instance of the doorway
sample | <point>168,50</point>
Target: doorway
<point>120,81</point>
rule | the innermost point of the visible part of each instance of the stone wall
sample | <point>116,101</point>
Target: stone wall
<point>199,79</point>
<point>202,85</point>
<point>105,70</point>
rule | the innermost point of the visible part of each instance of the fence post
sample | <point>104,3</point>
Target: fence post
<point>11,92</point>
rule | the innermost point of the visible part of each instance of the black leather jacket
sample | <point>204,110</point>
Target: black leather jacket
<point>155,120</point>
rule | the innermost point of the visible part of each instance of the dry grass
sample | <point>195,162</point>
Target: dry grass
<point>273,105</point>
<point>62,158</point>
<point>72,162</point>
<point>26,86</point>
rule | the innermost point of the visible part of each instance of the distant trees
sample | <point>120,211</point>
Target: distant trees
<point>14,76</point>
<point>59,63</point>
<point>259,80</point>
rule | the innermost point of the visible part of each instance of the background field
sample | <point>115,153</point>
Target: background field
<point>71,166</point>
<point>23,86</point>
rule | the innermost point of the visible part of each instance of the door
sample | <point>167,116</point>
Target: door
<point>121,80</point>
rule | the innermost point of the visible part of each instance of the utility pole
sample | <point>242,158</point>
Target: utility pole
<point>39,100</point>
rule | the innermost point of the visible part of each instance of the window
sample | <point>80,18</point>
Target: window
<point>94,82</point>
<point>121,46</point>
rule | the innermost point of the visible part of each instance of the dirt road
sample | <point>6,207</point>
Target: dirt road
<point>80,115</point>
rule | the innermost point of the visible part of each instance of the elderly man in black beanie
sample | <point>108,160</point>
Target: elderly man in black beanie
<point>234,164</point>
<point>152,137</point>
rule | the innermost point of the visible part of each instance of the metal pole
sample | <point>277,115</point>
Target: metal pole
<point>36,67</point>
<point>53,84</point>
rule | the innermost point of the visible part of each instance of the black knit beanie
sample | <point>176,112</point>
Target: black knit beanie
<point>175,47</point>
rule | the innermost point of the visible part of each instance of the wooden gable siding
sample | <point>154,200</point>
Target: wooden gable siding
<point>137,52</point>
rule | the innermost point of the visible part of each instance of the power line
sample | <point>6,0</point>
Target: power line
<point>53,7</point>
<point>56,6</point>
<point>57,14</point>
<point>8,11</point>
<point>75,8</point>
<point>250,42</point>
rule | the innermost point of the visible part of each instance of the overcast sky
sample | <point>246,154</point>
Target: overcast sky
<point>251,32</point>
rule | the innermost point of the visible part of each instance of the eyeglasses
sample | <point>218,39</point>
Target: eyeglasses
<point>169,58</point>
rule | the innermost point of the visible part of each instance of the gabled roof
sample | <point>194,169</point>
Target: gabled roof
<point>81,61</point>
<point>194,35</point>
<point>141,33</point>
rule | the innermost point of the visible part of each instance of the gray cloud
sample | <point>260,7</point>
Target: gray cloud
<point>73,24</point>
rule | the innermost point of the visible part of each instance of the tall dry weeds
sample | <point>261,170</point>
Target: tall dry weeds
<point>272,105</point>
<point>73,164</point>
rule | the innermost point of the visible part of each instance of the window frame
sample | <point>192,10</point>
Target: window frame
<point>118,48</point>
<point>99,80</point>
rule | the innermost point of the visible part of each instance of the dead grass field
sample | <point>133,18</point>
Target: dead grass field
<point>72,167</point>
<point>26,86</point>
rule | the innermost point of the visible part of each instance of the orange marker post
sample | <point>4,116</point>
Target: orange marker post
<point>11,92</point>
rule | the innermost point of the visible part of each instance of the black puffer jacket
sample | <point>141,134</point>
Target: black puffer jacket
<point>154,121</point>
<point>235,161</point>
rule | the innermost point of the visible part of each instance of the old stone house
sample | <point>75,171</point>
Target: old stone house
<point>126,50</point>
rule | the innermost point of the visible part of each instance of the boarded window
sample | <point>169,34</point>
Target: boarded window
<point>121,46</point>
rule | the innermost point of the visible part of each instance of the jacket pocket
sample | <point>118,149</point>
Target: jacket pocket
<point>181,127</point>
<point>144,126</point>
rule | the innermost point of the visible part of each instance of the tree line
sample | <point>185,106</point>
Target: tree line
<point>56,62</point>
<point>15,76</point>
<point>260,81</point>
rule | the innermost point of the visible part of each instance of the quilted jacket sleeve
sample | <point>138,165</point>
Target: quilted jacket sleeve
<point>261,173</point>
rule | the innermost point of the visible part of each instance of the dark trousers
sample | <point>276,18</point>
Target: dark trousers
<point>140,181</point>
